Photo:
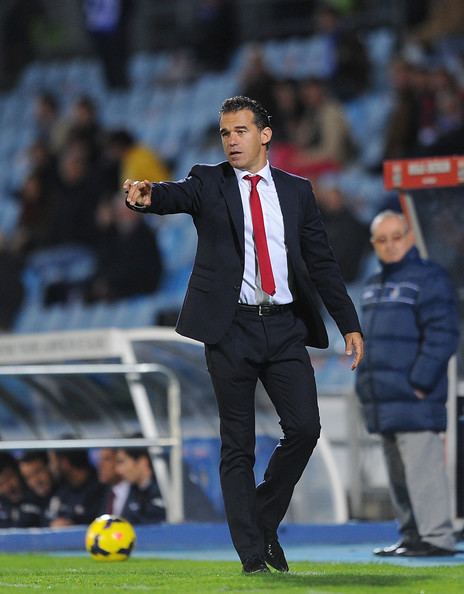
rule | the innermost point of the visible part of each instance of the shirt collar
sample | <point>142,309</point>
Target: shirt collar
<point>265,173</point>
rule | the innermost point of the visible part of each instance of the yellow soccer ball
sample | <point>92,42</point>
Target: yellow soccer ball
<point>110,538</point>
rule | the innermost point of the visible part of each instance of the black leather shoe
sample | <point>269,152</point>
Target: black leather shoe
<point>254,565</point>
<point>423,549</point>
<point>274,554</point>
<point>390,551</point>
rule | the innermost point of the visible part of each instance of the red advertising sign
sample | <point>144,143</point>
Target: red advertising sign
<point>430,172</point>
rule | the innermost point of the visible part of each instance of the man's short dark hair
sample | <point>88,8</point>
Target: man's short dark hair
<point>137,452</point>
<point>33,456</point>
<point>77,458</point>
<point>7,460</point>
<point>261,116</point>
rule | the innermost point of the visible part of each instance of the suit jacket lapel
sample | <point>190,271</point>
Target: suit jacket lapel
<point>288,206</point>
<point>233,200</point>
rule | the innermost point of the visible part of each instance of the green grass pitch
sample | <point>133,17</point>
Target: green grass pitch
<point>68,575</point>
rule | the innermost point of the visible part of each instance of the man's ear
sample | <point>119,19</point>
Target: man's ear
<point>266,135</point>
<point>411,238</point>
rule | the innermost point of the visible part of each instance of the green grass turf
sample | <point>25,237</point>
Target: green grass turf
<point>68,575</point>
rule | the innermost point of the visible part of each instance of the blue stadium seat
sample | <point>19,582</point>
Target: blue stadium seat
<point>9,212</point>
<point>67,263</point>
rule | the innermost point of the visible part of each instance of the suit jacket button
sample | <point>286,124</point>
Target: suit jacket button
<point>236,287</point>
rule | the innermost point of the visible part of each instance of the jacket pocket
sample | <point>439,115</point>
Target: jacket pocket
<point>200,282</point>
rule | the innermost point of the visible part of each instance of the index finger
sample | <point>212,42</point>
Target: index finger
<point>127,184</point>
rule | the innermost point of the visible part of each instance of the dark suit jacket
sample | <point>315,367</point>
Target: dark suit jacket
<point>210,194</point>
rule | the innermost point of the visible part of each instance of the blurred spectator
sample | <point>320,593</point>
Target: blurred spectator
<point>403,128</point>
<point>81,127</point>
<point>348,236</point>
<point>42,161</point>
<point>257,81</point>
<point>79,495</point>
<point>214,32</point>
<point>134,160</point>
<point>286,111</point>
<point>445,136</point>
<point>116,488</point>
<point>33,227</point>
<point>415,12</point>
<point>38,477</point>
<point>350,67</point>
<point>47,118</point>
<point>12,291</point>
<point>121,272</point>
<point>425,102</point>
<point>445,18</point>
<point>323,131</point>
<point>119,238</point>
<point>18,24</point>
<point>73,201</point>
<point>144,504</point>
<point>108,24</point>
<point>322,140</point>
<point>17,506</point>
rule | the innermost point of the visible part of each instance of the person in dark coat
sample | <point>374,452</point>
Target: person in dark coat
<point>116,488</point>
<point>410,322</point>
<point>18,506</point>
<point>262,255</point>
<point>120,273</point>
<point>79,495</point>
<point>36,473</point>
<point>144,503</point>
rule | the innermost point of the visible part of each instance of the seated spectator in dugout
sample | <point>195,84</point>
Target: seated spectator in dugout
<point>79,495</point>
<point>144,504</point>
<point>116,488</point>
<point>37,475</point>
<point>18,508</point>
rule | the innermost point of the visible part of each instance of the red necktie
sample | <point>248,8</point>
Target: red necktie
<point>259,232</point>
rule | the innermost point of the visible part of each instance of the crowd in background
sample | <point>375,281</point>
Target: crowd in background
<point>65,488</point>
<point>71,193</point>
<point>72,196</point>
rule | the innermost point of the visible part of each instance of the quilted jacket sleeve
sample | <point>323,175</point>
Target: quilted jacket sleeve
<point>438,321</point>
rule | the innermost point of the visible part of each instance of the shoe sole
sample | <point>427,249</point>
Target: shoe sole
<point>255,572</point>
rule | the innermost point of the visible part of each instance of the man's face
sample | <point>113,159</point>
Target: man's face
<point>128,468</point>
<point>10,485</point>
<point>391,240</point>
<point>244,145</point>
<point>107,473</point>
<point>37,477</point>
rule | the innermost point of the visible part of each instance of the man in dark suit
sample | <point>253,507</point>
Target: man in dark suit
<point>262,253</point>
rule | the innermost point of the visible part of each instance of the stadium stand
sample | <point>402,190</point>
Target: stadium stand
<point>161,116</point>
<point>175,113</point>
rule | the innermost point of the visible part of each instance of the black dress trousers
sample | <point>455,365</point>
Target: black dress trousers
<point>270,348</point>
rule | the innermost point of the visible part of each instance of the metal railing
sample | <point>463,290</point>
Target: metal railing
<point>170,480</point>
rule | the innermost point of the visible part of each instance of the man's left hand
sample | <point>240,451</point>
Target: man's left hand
<point>354,343</point>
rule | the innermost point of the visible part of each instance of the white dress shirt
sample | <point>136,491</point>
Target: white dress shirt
<point>121,491</point>
<point>251,292</point>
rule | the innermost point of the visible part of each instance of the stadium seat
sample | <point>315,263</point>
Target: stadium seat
<point>67,263</point>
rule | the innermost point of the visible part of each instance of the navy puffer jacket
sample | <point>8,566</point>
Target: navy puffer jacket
<point>410,322</point>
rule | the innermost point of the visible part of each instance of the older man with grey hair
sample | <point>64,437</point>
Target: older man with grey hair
<point>410,324</point>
